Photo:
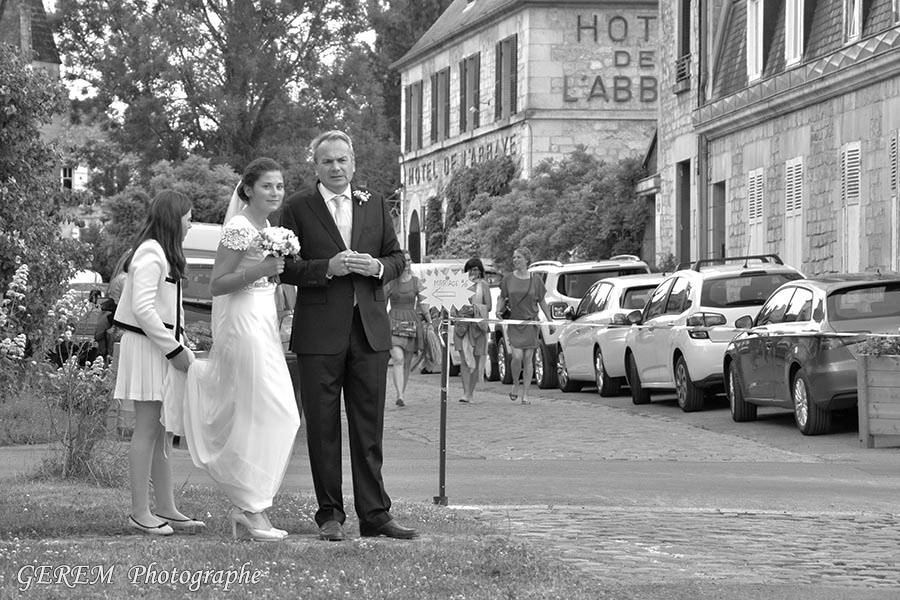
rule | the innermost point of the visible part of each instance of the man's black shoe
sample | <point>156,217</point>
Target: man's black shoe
<point>331,531</point>
<point>390,529</point>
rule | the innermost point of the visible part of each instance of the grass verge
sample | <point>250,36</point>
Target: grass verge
<point>458,556</point>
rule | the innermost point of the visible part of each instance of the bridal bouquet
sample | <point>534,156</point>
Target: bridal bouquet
<point>278,241</point>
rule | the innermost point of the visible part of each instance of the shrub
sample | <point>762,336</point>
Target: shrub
<point>880,345</point>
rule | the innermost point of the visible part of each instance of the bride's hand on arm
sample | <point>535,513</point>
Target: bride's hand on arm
<point>270,266</point>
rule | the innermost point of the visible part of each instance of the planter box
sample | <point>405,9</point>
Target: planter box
<point>878,380</point>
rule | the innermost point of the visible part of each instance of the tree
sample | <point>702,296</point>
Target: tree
<point>397,28</point>
<point>208,186</point>
<point>576,207</point>
<point>29,222</point>
<point>215,75</point>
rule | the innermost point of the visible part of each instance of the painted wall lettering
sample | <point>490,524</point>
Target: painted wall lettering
<point>442,165</point>
<point>628,75</point>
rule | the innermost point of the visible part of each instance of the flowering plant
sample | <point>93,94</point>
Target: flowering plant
<point>880,345</point>
<point>361,196</point>
<point>278,241</point>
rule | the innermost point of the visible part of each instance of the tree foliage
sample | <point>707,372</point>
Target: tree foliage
<point>218,76</point>
<point>398,26</point>
<point>29,221</point>
<point>577,208</point>
<point>208,186</point>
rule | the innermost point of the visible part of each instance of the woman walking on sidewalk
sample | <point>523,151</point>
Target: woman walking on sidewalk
<point>523,293</point>
<point>470,339</point>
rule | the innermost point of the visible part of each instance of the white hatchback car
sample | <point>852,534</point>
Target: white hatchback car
<point>565,285</point>
<point>591,348</point>
<point>679,339</point>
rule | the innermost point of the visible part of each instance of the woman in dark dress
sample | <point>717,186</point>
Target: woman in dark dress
<point>404,296</point>
<point>523,292</point>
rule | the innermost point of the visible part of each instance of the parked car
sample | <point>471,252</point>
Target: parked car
<point>678,340</point>
<point>796,353</point>
<point>200,246</point>
<point>591,347</point>
<point>566,284</point>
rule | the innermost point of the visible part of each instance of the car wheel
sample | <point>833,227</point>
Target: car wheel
<point>545,366</point>
<point>810,419</point>
<point>638,394</point>
<point>606,385</point>
<point>503,362</point>
<point>741,410</point>
<point>562,375</point>
<point>690,397</point>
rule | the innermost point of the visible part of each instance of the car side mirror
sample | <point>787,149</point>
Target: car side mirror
<point>745,322</point>
<point>569,313</point>
<point>619,319</point>
<point>635,317</point>
<point>818,314</point>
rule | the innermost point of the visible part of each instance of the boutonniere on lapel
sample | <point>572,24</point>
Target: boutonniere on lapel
<point>361,196</point>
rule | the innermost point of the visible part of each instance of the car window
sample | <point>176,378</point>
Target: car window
<point>657,302</point>
<point>774,309</point>
<point>576,283</point>
<point>586,305</point>
<point>873,301</point>
<point>680,298</point>
<point>196,286</point>
<point>742,289</point>
<point>601,296</point>
<point>800,308</point>
<point>636,298</point>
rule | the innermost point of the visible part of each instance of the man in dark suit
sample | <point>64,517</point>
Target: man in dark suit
<point>348,250</point>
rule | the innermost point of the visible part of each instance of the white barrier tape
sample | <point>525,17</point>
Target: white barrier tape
<point>561,322</point>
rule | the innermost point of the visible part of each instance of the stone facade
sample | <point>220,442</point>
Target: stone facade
<point>842,96</point>
<point>586,73</point>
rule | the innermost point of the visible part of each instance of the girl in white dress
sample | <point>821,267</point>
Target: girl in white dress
<point>149,312</point>
<point>240,413</point>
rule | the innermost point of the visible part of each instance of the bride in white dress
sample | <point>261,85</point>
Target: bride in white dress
<point>240,414</point>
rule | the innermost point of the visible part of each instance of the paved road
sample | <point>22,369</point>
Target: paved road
<point>673,505</point>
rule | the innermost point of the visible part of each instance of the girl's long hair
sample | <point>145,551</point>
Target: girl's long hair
<point>163,224</point>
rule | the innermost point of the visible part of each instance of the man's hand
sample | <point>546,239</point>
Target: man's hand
<point>363,264</point>
<point>337,264</point>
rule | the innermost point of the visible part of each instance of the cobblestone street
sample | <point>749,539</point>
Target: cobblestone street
<point>651,494</point>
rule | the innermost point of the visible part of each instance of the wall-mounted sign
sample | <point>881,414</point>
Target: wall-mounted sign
<point>443,164</point>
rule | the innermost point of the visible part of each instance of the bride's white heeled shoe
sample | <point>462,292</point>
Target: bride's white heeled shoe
<point>238,517</point>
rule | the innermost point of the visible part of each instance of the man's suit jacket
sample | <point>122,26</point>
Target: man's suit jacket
<point>324,309</point>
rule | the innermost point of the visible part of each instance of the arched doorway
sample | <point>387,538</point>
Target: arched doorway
<point>414,238</point>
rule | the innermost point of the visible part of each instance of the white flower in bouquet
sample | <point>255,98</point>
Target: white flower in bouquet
<point>278,241</point>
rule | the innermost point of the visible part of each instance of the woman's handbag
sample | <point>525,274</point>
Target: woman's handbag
<point>403,328</point>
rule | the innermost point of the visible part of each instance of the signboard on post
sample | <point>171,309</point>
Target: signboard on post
<point>446,286</point>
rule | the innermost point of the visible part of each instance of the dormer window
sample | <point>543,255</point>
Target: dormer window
<point>853,20</point>
<point>793,31</point>
<point>755,39</point>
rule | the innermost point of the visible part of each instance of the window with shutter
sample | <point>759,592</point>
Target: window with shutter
<point>469,93</point>
<point>850,205</point>
<point>793,212</point>
<point>894,161</point>
<point>755,212</point>
<point>440,105</point>
<point>894,173</point>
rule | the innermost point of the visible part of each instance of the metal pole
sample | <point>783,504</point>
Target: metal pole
<point>444,328</point>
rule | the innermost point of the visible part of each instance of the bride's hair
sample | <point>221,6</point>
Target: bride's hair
<point>256,169</point>
<point>163,224</point>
